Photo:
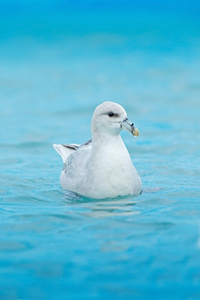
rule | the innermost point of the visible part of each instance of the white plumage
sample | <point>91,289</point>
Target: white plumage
<point>102,167</point>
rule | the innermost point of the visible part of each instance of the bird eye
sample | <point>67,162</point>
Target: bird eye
<point>111,114</point>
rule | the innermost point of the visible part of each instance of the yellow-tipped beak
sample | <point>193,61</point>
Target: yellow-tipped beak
<point>135,132</point>
<point>128,126</point>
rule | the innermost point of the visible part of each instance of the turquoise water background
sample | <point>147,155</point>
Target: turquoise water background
<point>57,63</point>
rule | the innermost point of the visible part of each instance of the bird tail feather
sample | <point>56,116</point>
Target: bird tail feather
<point>64,151</point>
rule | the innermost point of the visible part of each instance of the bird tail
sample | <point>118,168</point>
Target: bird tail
<point>64,151</point>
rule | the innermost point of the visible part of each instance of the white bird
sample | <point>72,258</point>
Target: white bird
<point>102,167</point>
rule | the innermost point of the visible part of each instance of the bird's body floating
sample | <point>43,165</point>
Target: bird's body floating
<point>101,168</point>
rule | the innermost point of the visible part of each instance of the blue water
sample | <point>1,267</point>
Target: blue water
<point>56,67</point>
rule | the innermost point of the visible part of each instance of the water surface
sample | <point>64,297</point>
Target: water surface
<point>55,69</point>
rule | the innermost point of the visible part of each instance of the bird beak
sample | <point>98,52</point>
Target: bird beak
<point>128,126</point>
